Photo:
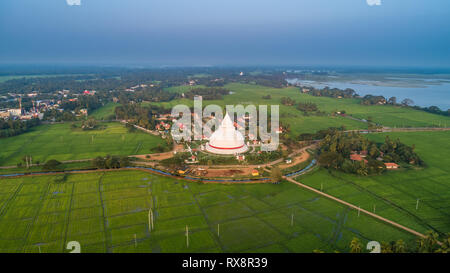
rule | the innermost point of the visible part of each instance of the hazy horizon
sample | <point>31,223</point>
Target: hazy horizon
<point>400,33</point>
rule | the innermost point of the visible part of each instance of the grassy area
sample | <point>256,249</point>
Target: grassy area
<point>384,114</point>
<point>395,193</point>
<point>60,142</point>
<point>105,112</point>
<point>108,212</point>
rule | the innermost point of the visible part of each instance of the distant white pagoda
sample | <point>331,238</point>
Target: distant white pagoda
<point>226,140</point>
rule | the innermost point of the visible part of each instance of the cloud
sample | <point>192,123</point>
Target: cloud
<point>78,2</point>
<point>374,2</point>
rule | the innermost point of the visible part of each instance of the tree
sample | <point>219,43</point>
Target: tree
<point>52,165</point>
<point>445,247</point>
<point>407,102</point>
<point>330,159</point>
<point>276,175</point>
<point>99,162</point>
<point>428,244</point>
<point>387,247</point>
<point>355,246</point>
<point>89,124</point>
<point>400,247</point>
<point>124,162</point>
<point>392,100</point>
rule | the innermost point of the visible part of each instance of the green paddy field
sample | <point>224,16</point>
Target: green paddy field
<point>395,193</point>
<point>108,212</point>
<point>61,142</point>
<point>387,115</point>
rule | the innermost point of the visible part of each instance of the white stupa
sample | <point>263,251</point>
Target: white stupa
<point>226,140</point>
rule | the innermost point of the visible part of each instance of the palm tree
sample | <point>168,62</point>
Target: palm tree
<point>427,244</point>
<point>400,247</point>
<point>386,247</point>
<point>355,246</point>
<point>445,247</point>
<point>276,175</point>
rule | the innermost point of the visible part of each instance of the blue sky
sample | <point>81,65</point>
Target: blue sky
<point>226,32</point>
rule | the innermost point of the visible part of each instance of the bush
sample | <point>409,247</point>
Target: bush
<point>52,165</point>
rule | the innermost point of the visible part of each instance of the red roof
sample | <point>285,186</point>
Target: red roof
<point>391,165</point>
<point>356,157</point>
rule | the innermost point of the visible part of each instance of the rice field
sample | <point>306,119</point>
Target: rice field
<point>386,115</point>
<point>416,198</point>
<point>105,112</point>
<point>108,212</point>
<point>60,142</point>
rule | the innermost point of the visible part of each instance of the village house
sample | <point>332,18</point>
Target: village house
<point>391,166</point>
<point>357,157</point>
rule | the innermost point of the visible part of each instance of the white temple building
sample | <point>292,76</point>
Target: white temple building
<point>226,140</point>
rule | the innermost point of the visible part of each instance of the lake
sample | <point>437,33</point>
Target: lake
<point>424,92</point>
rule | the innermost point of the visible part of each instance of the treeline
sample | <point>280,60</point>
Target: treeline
<point>433,110</point>
<point>144,94</point>
<point>116,79</point>
<point>211,93</point>
<point>16,127</point>
<point>336,149</point>
<point>111,162</point>
<point>431,243</point>
<point>321,134</point>
<point>332,92</point>
<point>373,100</point>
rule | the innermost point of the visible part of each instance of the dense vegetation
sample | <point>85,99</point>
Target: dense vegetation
<point>212,93</point>
<point>331,92</point>
<point>428,244</point>
<point>110,162</point>
<point>16,127</point>
<point>336,149</point>
<point>143,116</point>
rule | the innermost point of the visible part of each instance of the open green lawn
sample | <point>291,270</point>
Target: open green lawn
<point>395,193</point>
<point>105,112</point>
<point>386,115</point>
<point>60,142</point>
<point>105,212</point>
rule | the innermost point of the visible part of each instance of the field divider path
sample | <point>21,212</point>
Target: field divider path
<point>105,219</point>
<point>205,216</point>
<point>69,212</point>
<point>357,208</point>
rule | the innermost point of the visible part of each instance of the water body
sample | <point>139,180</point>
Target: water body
<point>424,92</point>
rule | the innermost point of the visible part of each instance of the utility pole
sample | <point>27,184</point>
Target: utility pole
<point>292,219</point>
<point>218,230</point>
<point>359,211</point>
<point>417,204</point>
<point>150,219</point>
<point>187,236</point>
<point>135,240</point>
